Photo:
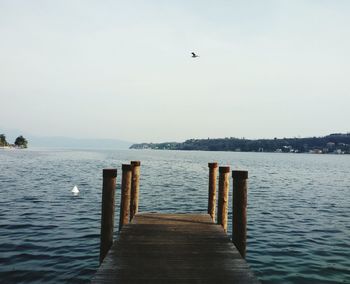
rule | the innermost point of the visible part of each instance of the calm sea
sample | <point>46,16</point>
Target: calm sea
<point>298,210</point>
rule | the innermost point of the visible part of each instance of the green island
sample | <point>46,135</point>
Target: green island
<point>337,143</point>
<point>20,142</point>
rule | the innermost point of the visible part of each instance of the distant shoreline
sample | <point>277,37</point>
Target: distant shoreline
<point>12,147</point>
<point>337,143</point>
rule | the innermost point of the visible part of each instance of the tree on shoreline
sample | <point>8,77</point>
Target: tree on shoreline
<point>21,142</point>
<point>3,141</point>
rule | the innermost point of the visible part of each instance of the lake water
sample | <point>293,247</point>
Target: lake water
<point>298,210</point>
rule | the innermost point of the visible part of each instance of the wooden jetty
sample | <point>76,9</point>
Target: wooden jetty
<point>173,248</point>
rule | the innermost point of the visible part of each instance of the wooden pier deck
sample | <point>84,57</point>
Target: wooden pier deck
<point>173,248</point>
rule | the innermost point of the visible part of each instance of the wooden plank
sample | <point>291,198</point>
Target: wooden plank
<point>173,248</point>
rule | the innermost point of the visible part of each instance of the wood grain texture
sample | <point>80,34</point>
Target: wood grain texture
<point>124,215</point>
<point>135,188</point>
<point>213,170</point>
<point>224,177</point>
<point>173,248</point>
<point>108,207</point>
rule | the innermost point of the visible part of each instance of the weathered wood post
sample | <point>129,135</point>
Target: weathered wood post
<point>213,170</point>
<point>224,173</point>
<point>239,212</point>
<point>107,216</point>
<point>135,188</point>
<point>125,196</point>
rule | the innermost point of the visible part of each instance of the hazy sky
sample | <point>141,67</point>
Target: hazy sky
<point>123,69</point>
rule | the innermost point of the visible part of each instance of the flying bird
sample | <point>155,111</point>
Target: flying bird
<point>194,55</point>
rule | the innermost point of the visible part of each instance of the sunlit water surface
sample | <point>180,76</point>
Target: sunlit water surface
<point>298,210</point>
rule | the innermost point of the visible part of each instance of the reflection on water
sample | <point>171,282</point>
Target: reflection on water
<point>298,210</point>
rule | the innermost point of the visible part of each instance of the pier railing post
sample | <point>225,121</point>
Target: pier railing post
<point>224,173</point>
<point>213,169</point>
<point>107,216</point>
<point>135,188</point>
<point>239,211</point>
<point>125,196</point>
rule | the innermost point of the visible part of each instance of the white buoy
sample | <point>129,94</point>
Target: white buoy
<point>75,190</point>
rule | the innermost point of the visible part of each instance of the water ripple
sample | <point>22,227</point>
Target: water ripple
<point>298,210</point>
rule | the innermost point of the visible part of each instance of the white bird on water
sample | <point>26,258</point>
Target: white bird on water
<point>194,55</point>
<point>75,190</point>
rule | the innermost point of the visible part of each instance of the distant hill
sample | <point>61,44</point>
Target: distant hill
<point>334,143</point>
<point>67,142</point>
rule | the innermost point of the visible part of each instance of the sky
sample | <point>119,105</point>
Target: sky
<point>123,69</point>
